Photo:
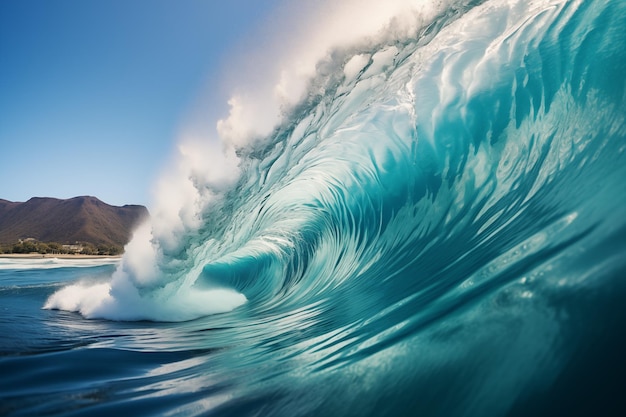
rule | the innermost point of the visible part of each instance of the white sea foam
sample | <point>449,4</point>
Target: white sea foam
<point>124,302</point>
<point>52,263</point>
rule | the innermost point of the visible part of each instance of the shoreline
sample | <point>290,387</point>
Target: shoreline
<point>52,256</point>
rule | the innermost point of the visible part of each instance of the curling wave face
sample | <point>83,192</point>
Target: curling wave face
<point>438,194</point>
<point>418,164</point>
<point>427,169</point>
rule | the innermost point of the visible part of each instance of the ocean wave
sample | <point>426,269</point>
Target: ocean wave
<point>474,154</point>
<point>434,227</point>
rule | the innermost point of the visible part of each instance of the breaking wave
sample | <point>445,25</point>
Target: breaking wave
<point>454,152</point>
<point>421,211</point>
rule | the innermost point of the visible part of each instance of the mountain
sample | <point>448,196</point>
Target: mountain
<point>78,219</point>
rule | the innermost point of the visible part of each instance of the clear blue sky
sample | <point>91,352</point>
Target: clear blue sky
<point>93,93</point>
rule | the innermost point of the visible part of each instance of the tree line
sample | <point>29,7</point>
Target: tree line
<point>54,248</point>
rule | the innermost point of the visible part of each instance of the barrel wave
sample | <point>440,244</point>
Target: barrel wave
<point>437,226</point>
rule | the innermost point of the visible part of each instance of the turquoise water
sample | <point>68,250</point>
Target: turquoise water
<point>438,229</point>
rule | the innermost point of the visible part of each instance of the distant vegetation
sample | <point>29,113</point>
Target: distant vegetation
<point>54,248</point>
<point>82,225</point>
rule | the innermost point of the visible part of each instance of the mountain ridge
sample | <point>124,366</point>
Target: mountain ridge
<point>78,219</point>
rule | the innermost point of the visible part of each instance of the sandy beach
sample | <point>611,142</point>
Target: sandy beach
<point>57,256</point>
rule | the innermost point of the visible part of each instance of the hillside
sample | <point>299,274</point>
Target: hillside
<point>78,219</point>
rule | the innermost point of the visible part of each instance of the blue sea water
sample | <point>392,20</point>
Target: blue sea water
<point>437,229</point>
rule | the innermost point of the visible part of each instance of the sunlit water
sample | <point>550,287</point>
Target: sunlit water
<point>438,230</point>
